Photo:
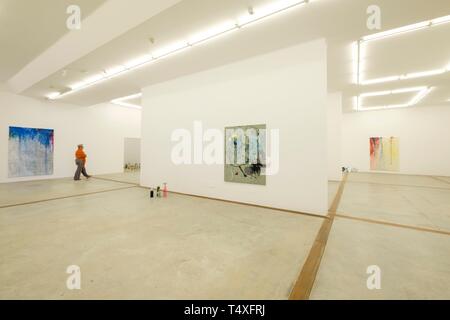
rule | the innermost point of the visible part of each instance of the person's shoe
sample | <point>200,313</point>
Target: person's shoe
<point>76,179</point>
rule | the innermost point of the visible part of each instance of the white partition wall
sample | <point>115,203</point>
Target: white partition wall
<point>285,89</point>
<point>334,118</point>
<point>423,133</point>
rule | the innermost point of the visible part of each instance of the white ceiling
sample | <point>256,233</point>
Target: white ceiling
<point>28,28</point>
<point>341,22</point>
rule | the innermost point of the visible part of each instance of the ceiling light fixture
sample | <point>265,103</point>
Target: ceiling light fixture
<point>170,49</point>
<point>212,32</point>
<point>422,92</point>
<point>121,101</point>
<point>138,62</point>
<point>357,78</point>
<point>53,95</point>
<point>201,37</point>
<point>356,61</point>
<point>408,28</point>
<point>396,31</point>
<point>268,10</point>
<point>114,71</point>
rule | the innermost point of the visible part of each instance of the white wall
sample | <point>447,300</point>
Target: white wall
<point>100,128</point>
<point>424,134</point>
<point>334,132</point>
<point>132,150</point>
<point>286,90</point>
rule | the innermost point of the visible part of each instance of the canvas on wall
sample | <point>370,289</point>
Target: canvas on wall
<point>384,154</point>
<point>245,154</point>
<point>30,152</point>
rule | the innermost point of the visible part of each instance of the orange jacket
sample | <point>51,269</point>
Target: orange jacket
<point>79,154</point>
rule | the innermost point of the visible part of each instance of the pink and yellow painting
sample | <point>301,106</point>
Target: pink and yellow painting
<point>384,154</point>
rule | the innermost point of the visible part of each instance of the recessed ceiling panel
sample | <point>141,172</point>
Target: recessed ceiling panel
<point>416,51</point>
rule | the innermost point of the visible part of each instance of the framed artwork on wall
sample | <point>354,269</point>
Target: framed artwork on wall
<point>245,154</point>
<point>384,154</point>
<point>30,152</point>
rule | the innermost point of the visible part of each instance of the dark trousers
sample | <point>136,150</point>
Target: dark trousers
<point>80,169</point>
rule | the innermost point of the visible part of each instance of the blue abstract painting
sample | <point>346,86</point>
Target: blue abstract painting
<point>30,152</point>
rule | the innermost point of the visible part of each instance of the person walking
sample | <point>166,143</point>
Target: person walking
<point>80,161</point>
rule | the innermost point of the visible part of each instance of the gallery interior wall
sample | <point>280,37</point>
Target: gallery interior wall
<point>101,128</point>
<point>132,150</point>
<point>285,89</point>
<point>423,132</point>
<point>334,134</point>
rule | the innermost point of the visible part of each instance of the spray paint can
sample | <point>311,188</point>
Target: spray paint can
<point>158,192</point>
<point>165,190</point>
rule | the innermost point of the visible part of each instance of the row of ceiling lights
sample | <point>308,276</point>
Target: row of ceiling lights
<point>358,48</point>
<point>257,15</point>
<point>252,16</point>
<point>422,92</point>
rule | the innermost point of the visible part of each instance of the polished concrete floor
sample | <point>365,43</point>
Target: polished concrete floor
<point>127,177</point>
<point>32,191</point>
<point>182,247</point>
<point>402,226</point>
<point>129,246</point>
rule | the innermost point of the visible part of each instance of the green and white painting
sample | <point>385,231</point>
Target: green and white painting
<point>245,154</point>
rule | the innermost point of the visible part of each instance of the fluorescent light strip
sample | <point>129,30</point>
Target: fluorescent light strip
<point>397,31</point>
<point>407,28</point>
<point>356,61</point>
<point>213,32</point>
<point>121,101</point>
<point>268,10</point>
<point>394,32</point>
<point>127,105</point>
<point>422,92</point>
<point>413,75</point>
<point>53,95</point>
<point>202,37</point>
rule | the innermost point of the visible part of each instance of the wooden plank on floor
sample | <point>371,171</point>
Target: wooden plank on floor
<point>440,179</point>
<point>245,204</point>
<point>305,281</point>
<point>393,224</point>
<point>63,197</point>
<point>113,180</point>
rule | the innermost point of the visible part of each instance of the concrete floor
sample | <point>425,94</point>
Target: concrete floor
<point>414,264</point>
<point>412,200</point>
<point>129,246</point>
<point>127,177</point>
<point>30,191</point>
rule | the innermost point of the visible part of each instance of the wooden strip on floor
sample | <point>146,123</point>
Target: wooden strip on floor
<point>243,203</point>
<point>440,179</point>
<point>305,281</point>
<point>248,204</point>
<point>64,197</point>
<point>107,179</point>
<point>401,185</point>
<point>392,224</point>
